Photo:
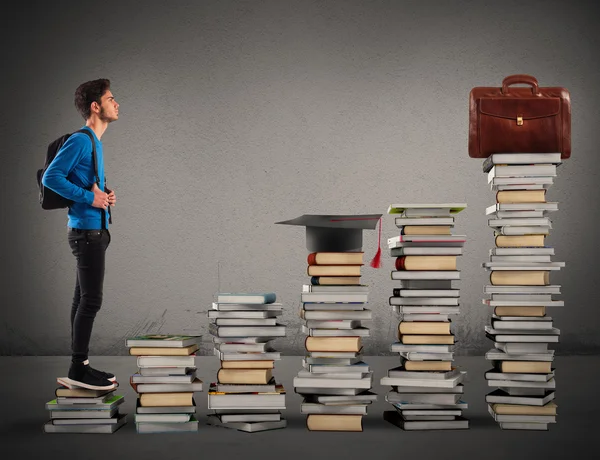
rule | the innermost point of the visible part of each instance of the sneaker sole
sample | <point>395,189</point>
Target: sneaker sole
<point>70,383</point>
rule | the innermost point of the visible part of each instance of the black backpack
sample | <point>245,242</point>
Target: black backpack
<point>49,199</point>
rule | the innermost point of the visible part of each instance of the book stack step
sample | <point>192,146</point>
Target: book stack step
<point>165,382</point>
<point>81,410</point>
<point>334,380</point>
<point>520,292</point>
<point>427,387</point>
<point>246,396</point>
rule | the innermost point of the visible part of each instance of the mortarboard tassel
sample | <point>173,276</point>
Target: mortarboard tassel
<point>376,262</point>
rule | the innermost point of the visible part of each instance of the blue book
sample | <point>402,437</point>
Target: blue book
<point>252,298</point>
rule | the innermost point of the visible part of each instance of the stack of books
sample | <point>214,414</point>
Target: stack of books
<point>426,386</point>
<point>165,382</point>
<point>246,396</point>
<point>520,292</point>
<point>334,381</point>
<point>80,410</point>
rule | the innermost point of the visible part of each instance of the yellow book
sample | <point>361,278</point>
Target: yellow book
<point>166,399</point>
<point>520,311</point>
<point>521,196</point>
<point>520,241</point>
<point>520,278</point>
<point>244,376</point>
<point>158,351</point>
<point>333,344</point>
<point>428,365</point>
<point>259,364</point>
<point>424,327</point>
<point>426,230</point>
<point>518,409</point>
<point>329,422</point>
<point>526,367</point>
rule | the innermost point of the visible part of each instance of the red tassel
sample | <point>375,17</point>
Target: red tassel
<point>376,262</point>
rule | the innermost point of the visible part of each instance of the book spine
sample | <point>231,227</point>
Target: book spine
<point>312,258</point>
<point>314,280</point>
<point>400,263</point>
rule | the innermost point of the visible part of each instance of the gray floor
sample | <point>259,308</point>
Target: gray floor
<point>29,382</point>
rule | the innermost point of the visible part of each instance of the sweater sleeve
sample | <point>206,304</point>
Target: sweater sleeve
<point>67,158</point>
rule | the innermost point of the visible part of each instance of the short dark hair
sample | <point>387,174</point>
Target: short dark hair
<point>88,92</point>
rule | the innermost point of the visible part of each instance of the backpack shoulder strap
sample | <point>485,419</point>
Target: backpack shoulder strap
<point>96,175</point>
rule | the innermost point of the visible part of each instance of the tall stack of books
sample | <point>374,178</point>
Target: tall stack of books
<point>334,381</point>
<point>426,386</point>
<point>81,410</point>
<point>246,396</point>
<point>165,382</point>
<point>520,291</point>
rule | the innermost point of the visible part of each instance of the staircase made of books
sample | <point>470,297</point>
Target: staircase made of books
<point>246,396</point>
<point>520,292</point>
<point>165,382</point>
<point>426,387</point>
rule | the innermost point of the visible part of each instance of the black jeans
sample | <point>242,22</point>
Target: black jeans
<point>89,249</point>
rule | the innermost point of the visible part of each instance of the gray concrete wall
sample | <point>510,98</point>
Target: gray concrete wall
<point>235,115</point>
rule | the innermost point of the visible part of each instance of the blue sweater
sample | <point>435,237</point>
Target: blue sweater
<point>71,174</point>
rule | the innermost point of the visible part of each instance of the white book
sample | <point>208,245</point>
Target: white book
<point>550,289</point>
<point>426,239</point>
<point>326,289</point>
<point>523,426</point>
<point>523,221</point>
<point>521,181</point>
<point>332,324</point>
<point>519,259</point>
<point>188,378</point>
<point>246,314</point>
<point>446,310</point>
<point>243,347</point>
<point>516,230</point>
<point>363,383</point>
<point>334,354</point>
<point>497,375</point>
<point>549,385</point>
<point>419,406</point>
<point>504,324</point>
<point>440,301</point>
<point>425,251</point>
<point>502,397</point>
<point>363,315</point>
<point>518,297</point>
<point>429,292</point>
<point>417,356</point>
<point>246,306</point>
<point>398,347</point>
<point>167,427</point>
<point>247,331</point>
<point>356,332</point>
<point>521,171</point>
<point>499,188</point>
<point>403,221</point>
<point>267,356</point>
<point>333,306</point>
<point>400,372</point>
<point>162,418</point>
<point>521,251</point>
<point>359,367</point>
<point>523,303</point>
<point>498,355</point>
<point>246,321</point>
<point>316,408</point>
<point>523,266</point>
<point>548,207</point>
<point>334,297</point>
<point>50,427</point>
<point>423,398</point>
<point>516,214</point>
<point>425,274</point>
<point>303,373</point>
<point>521,159</point>
<point>515,348</point>
<point>165,371</point>
<point>409,381</point>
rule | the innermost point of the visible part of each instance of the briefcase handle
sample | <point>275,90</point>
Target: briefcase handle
<point>521,78</point>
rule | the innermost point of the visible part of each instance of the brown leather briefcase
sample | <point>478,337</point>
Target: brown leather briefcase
<point>519,119</point>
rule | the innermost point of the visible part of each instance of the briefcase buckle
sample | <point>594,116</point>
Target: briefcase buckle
<point>519,120</point>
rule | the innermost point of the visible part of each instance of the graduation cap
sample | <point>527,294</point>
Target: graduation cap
<point>337,233</point>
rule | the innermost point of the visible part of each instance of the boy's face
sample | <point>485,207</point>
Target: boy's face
<point>109,108</point>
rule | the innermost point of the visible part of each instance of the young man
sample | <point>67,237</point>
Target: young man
<point>71,174</point>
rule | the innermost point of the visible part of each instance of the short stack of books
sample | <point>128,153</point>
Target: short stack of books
<point>80,410</point>
<point>426,387</point>
<point>165,382</point>
<point>520,292</point>
<point>246,396</point>
<point>334,381</point>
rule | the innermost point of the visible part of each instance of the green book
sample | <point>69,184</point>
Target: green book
<point>108,405</point>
